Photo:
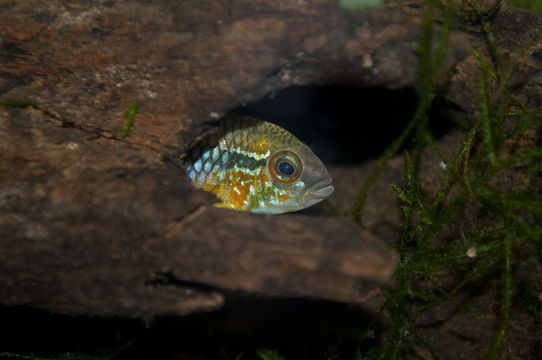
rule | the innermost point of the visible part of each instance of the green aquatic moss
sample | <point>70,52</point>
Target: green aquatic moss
<point>129,118</point>
<point>269,355</point>
<point>17,103</point>
<point>70,356</point>
<point>508,216</point>
<point>66,356</point>
<point>534,5</point>
<point>430,63</point>
<point>359,4</point>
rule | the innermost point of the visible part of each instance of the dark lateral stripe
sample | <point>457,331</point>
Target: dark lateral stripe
<point>243,161</point>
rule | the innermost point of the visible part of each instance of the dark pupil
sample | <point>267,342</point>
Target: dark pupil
<point>286,168</point>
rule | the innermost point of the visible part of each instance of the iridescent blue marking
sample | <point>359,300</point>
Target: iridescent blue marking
<point>205,154</point>
<point>197,165</point>
<point>192,174</point>
<point>216,154</point>
<point>207,166</point>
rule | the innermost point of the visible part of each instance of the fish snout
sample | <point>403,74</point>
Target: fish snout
<point>322,188</point>
<point>316,192</point>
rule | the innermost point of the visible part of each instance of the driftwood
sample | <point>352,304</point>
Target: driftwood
<point>92,222</point>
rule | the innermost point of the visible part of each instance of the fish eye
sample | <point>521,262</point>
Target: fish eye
<point>285,167</point>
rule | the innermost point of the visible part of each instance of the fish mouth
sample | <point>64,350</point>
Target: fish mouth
<point>317,192</point>
<point>321,191</point>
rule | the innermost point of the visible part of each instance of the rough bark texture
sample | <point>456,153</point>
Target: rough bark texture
<point>91,222</point>
<point>89,219</point>
<point>88,222</point>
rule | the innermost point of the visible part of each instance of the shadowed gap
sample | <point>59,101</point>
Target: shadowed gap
<point>300,328</point>
<point>344,124</point>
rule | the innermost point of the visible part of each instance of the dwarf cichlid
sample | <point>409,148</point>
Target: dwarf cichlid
<point>257,166</point>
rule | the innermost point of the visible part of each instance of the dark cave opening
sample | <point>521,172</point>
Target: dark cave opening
<point>346,124</point>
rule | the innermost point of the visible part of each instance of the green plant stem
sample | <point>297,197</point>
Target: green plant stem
<point>361,199</point>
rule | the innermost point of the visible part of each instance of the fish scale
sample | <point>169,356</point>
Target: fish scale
<point>234,163</point>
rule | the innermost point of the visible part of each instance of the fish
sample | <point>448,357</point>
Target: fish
<point>257,166</point>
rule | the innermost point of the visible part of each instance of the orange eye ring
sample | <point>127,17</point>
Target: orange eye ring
<point>285,167</point>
